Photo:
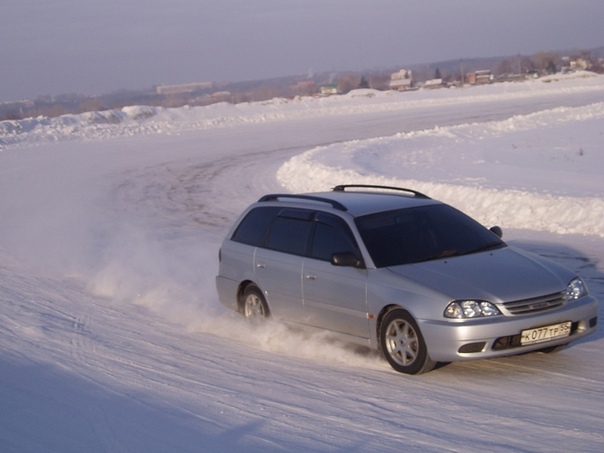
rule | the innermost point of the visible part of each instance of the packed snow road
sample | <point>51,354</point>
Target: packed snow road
<point>112,338</point>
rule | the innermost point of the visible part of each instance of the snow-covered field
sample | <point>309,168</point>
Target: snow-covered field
<point>111,335</point>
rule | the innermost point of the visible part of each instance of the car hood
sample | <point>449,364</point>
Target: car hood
<point>498,276</point>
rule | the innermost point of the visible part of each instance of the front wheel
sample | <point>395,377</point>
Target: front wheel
<point>402,343</point>
<point>254,307</point>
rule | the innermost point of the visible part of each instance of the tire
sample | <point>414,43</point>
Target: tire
<point>403,344</point>
<point>253,305</point>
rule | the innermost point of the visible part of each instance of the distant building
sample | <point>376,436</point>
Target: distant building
<point>305,88</point>
<point>182,88</point>
<point>401,80</point>
<point>580,64</point>
<point>433,84</point>
<point>482,77</point>
<point>327,90</point>
<point>511,78</point>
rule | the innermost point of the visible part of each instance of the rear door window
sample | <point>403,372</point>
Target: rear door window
<point>290,232</point>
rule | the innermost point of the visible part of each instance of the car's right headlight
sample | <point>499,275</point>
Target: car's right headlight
<point>576,289</point>
<point>464,309</point>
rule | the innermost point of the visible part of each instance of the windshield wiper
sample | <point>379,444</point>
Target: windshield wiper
<point>453,252</point>
<point>488,246</point>
<point>439,255</point>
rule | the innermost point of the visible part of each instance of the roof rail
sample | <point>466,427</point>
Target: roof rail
<point>343,187</point>
<point>277,196</point>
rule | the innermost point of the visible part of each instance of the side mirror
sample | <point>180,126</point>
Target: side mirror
<point>497,231</point>
<point>347,259</point>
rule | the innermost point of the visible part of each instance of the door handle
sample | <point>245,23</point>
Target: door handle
<point>310,277</point>
<point>260,265</point>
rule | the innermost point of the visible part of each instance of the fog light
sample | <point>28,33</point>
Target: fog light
<point>471,348</point>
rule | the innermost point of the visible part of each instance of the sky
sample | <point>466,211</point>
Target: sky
<point>51,47</point>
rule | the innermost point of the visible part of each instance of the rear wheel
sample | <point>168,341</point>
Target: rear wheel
<point>402,343</point>
<point>254,307</point>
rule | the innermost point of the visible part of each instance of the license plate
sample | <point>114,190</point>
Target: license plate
<point>546,333</point>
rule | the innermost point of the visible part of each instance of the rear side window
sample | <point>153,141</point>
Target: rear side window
<point>253,227</point>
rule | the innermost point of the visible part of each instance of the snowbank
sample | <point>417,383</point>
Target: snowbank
<point>469,166</point>
<point>136,120</point>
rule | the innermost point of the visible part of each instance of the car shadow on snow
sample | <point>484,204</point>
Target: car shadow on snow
<point>46,408</point>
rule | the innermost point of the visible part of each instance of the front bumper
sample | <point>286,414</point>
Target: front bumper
<point>456,340</point>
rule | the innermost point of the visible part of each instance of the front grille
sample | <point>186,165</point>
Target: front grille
<point>536,304</point>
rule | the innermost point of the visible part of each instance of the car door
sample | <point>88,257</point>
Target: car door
<point>335,297</point>
<point>278,264</point>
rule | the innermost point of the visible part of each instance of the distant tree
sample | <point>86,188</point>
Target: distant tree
<point>504,67</point>
<point>598,66</point>
<point>437,74</point>
<point>12,115</point>
<point>545,62</point>
<point>363,83</point>
<point>379,81</point>
<point>91,105</point>
<point>347,82</point>
<point>264,93</point>
<point>524,64</point>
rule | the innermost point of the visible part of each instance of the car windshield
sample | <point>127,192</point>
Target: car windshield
<point>423,233</point>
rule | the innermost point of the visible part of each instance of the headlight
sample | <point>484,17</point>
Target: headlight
<point>463,309</point>
<point>575,289</point>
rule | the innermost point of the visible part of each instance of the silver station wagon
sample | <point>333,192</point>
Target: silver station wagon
<point>397,271</point>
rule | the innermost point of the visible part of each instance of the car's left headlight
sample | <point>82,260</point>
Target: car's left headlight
<point>463,309</point>
<point>576,288</point>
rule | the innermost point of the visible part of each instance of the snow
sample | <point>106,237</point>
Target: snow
<point>111,334</point>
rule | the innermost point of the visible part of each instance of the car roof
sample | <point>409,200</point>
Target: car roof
<point>356,199</point>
